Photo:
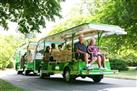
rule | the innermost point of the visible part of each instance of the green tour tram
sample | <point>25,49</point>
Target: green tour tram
<point>19,53</point>
<point>64,61</point>
<point>24,58</point>
<point>39,54</point>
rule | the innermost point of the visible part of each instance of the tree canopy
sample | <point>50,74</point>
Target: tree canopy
<point>115,12</point>
<point>122,13</point>
<point>29,14</point>
<point>8,45</point>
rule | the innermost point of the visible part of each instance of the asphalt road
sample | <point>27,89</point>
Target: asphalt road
<point>56,83</point>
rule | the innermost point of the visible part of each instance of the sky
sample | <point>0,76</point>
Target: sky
<point>11,31</point>
<point>66,6</point>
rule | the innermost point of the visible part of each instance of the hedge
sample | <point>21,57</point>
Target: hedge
<point>118,64</point>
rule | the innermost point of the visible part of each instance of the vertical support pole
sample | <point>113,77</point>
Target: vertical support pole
<point>34,61</point>
<point>99,38</point>
<point>65,42</point>
<point>35,57</point>
<point>73,54</point>
<point>44,47</point>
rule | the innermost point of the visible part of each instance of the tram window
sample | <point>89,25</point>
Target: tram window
<point>40,51</point>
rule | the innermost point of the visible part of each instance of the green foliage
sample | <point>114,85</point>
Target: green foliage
<point>122,13</point>
<point>6,86</point>
<point>115,12</point>
<point>8,45</point>
<point>70,23</point>
<point>29,14</point>
<point>78,17</point>
<point>131,60</point>
<point>129,74</point>
<point>118,64</point>
<point>10,65</point>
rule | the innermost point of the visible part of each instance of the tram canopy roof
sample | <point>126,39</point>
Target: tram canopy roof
<point>88,30</point>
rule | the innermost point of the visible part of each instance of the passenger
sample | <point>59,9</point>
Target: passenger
<point>95,54</point>
<point>54,51</point>
<point>68,52</point>
<point>68,47</point>
<point>47,49</point>
<point>47,53</point>
<point>22,61</point>
<point>29,56</point>
<point>60,47</point>
<point>81,50</point>
<point>53,48</point>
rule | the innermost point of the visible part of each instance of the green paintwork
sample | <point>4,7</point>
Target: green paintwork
<point>29,66</point>
<point>19,53</point>
<point>73,67</point>
<point>77,67</point>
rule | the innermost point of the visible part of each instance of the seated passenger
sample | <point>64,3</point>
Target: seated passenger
<point>54,52</point>
<point>81,50</point>
<point>53,48</point>
<point>95,54</point>
<point>29,56</point>
<point>47,53</point>
<point>67,53</point>
<point>60,47</point>
<point>47,49</point>
<point>68,48</point>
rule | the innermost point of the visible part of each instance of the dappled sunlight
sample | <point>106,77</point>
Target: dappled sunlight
<point>68,45</point>
<point>7,72</point>
<point>120,89</point>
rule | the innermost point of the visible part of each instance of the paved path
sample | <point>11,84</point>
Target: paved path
<point>56,83</point>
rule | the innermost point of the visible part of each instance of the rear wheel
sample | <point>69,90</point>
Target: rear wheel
<point>97,78</point>
<point>19,72</point>
<point>35,74</point>
<point>83,77</point>
<point>27,72</point>
<point>43,75</point>
<point>67,76</point>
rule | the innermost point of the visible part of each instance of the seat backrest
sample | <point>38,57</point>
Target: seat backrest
<point>56,54</point>
<point>47,56</point>
<point>67,55</point>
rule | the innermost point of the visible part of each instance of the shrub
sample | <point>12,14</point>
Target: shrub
<point>3,64</point>
<point>10,65</point>
<point>118,64</point>
<point>131,60</point>
<point>0,65</point>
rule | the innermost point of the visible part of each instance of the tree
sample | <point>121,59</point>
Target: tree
<point>115,12</point>
<point>70,23</point>
<point>29,14</point>
<point>8,45</point>
<point>122,13</point>
<point>78,14</point>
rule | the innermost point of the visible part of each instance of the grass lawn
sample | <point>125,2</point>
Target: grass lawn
<point>130,74</point>
<point>5,86</point>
